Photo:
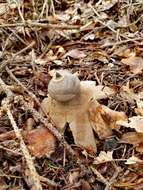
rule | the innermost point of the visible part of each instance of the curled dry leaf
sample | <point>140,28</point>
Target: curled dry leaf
<point>40,142</point>
<point>103,120</point>
<point>135,122</point>
<point>73,177</point>
<point>132,138</point>
<point>101,56</point>
<point>60,51</point>
<point>135,63</point>
<point>129,95</point>
<point>135,139</point>
<point>3,185</point>
<point>74,102</point>
<point>139,148</point>
<point>139,111</point>
<point>75,53</point>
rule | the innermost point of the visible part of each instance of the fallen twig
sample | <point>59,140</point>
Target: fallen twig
<point>22,86</point>
<point>108,185</point>
<point>24,149</point>
<point>123,42</point>
<point>42,25</point>
<point>100,177</point>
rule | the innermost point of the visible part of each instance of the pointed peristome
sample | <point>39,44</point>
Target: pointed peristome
<point>58,75</point>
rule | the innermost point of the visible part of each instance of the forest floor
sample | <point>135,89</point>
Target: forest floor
<point>100,40</point>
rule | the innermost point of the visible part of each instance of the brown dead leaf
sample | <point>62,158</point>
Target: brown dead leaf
<point>85,185</point>
<point>3,185</point>
<point>135,63</point>
<point>41,142</point>
<point>123,51</point>
<point>60,51</point>
<point>98,122</point>
<point>101,56</point>
<point>132,138</point>
<point>139,148</point>
<point>73,177</point>
<point>128,94</point>
<point>139,111</point>
<point>76,54</point>
<point>103,120</point>
<point>135,122</point>
<point>135,139</point>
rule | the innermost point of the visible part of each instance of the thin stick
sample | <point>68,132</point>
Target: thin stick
<point>52,7</point>
<point>43,8</point>
<point>111,181</point>
<point>122,42</point>
<point>24,149</point>
<point>34,8</point>
<point>42,25</point>
<point>101,177</point>
<point>22,86</point>
<point>48,181</point>
<point>25,49</point>
<point>19,11</point>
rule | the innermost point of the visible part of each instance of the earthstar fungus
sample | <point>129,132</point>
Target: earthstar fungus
<point>75,102</point>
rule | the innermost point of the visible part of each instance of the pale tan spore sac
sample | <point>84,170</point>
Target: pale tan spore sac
<point>75,102</point>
